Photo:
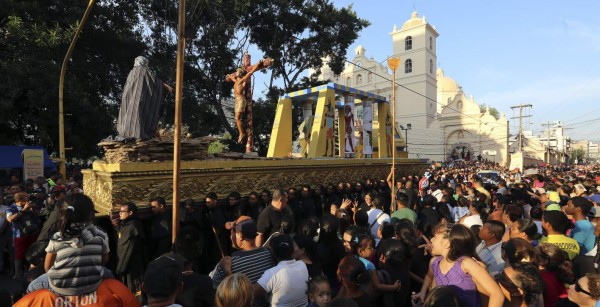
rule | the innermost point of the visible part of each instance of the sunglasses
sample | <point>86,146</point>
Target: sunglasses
<point>579,289</point>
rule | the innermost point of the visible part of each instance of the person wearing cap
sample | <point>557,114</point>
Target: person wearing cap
<point>250,259</point>
<point>286,282</point>
<point>163,280</point>
<point>270,218</point>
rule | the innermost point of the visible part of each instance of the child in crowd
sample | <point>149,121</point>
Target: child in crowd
<point>461,210</point>
<point>319,292</point>
<point>77,252</point>
<point>456,265</point>
<point>362,246</point>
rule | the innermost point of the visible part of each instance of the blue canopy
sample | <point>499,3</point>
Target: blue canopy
<point>10,157</point>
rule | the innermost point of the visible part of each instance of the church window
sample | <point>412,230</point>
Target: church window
<point>431,66</point>
<point>408,66</point>
<point>459,104</point>
<point>430,43</point>
<point>348,80</point>
<point>408,43</point>
<point>358,79</point>
<point>370,77</point>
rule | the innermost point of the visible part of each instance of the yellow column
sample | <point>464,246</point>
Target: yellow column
<point>318,136</point>
<point>382,112</point>
<point>280,144</point>
<point>342,132</point>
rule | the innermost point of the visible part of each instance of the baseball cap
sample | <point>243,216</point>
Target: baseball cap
<point>594,212</point>
<point>163,275</point>
<point>245,225</point>
<point>594,198</point>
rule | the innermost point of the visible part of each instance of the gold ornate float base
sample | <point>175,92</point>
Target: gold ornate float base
<point>111,184</point>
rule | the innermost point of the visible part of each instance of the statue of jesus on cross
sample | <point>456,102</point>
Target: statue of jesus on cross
<point>242,91</point>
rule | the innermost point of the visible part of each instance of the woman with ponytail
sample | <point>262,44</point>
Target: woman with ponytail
<point>395,257</point>
<point>354,276</point>
<point>525,229</point>
<point>556,270</point>
<point>77,252</point>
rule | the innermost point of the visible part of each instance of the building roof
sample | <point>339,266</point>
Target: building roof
<point>414,21</point>
<point>446,84</point>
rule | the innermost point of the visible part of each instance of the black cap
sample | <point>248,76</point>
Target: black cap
<point>163,275</point>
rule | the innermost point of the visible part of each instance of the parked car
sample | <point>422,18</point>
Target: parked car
<point>489,176</point>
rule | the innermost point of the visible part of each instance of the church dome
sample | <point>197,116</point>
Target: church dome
<point>414,21</point>
<point>446,84</point>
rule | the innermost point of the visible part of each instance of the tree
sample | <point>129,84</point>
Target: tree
<point>578,154</point>
<point>34,37</point>
<point>493,111</point>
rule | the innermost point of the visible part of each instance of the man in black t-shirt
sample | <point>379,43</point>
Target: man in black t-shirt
<point>269,220</point>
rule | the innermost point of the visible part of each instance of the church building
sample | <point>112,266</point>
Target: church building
<point>432,111</point>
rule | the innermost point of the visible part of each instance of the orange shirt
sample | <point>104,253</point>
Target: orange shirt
<point>110,293</point>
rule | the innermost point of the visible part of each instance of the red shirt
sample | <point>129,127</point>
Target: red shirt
<point>554,289</point>
<point>110,293</point>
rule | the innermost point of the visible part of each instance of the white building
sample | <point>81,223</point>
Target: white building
<point>444,121</point>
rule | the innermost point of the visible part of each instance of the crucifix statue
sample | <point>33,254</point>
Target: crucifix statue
<point>242,92</point>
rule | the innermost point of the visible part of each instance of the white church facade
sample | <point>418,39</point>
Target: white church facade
<point>444,122</point>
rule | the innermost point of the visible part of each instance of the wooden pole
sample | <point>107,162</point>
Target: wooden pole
<point>393,64</point>
<point>177,126</point>
<point>61,86</point>
<point>393,140</point>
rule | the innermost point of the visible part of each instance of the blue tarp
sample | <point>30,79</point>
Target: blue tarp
<point>10,157</point>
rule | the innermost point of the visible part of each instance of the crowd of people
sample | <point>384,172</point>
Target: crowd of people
<point>447,237</point>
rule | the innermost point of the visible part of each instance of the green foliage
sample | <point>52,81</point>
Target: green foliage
<point>493,111</point>
<point>578,154</point>
<point>216,147</point>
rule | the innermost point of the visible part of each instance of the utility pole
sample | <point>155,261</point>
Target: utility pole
<point>521,107</point>
<point>547,125</point>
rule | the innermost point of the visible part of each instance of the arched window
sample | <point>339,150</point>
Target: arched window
<point>408,43</point>
<point>431,66</point>
<point>358,79</point>
<point>348,80</point>
<point>430,43</point>
<point>370,77</point>
<point>408,66</point>
<point>459,104</point>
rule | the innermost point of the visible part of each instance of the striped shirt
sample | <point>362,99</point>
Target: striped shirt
<point>78,266</point>
<point>252,263</point>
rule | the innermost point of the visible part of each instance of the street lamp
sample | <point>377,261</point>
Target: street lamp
<point>408,127</point>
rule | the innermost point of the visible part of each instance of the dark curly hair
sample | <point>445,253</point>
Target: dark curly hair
<point>528,277</point>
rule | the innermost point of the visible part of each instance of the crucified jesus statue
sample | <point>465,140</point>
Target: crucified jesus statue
<point>242,92</point>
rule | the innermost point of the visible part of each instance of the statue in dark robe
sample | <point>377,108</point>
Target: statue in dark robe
<point>141,102</point>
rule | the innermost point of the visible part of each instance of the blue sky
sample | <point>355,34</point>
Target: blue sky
<point>544,53</point>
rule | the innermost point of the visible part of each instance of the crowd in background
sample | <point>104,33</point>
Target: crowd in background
<point>451,236</point>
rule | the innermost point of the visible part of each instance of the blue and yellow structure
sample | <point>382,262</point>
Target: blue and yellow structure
<point>322,143</point>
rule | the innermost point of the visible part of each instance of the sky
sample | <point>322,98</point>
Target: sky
<point>506,53</point>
